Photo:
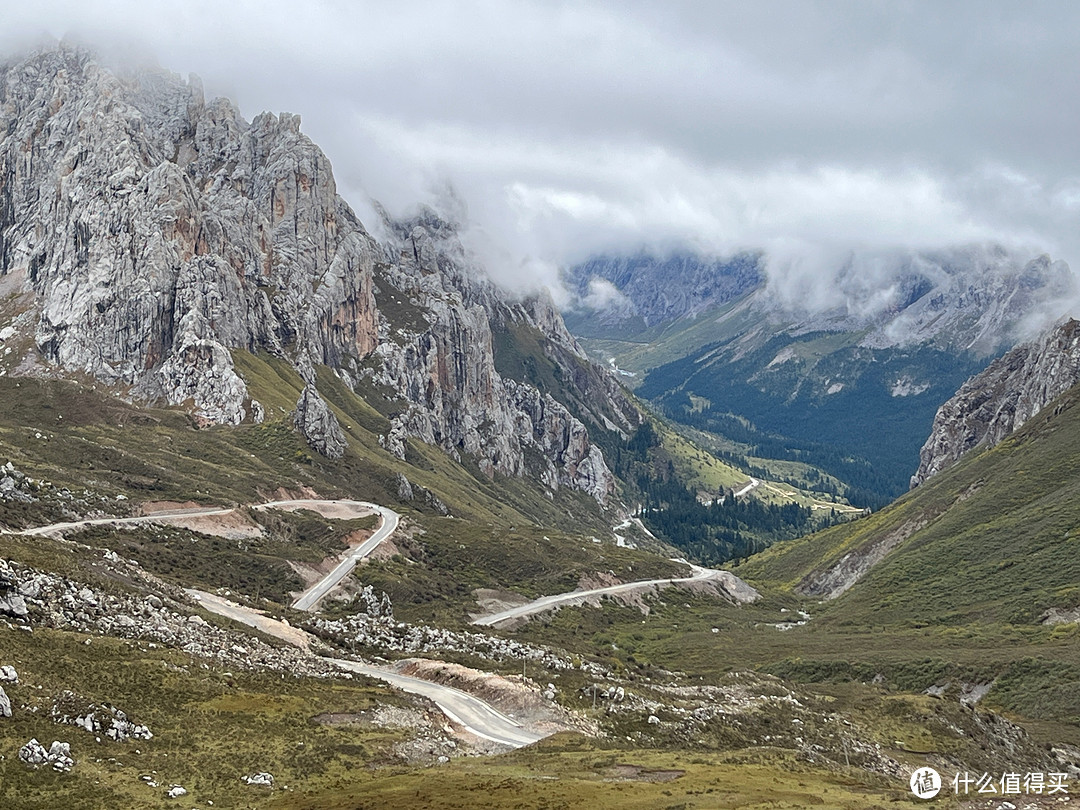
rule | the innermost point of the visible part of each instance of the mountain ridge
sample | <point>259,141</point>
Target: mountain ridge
<point>845,374</point>
<point>146,234</point>
<point>1002,398</point>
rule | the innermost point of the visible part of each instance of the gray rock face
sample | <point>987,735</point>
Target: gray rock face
<point>5,704</point>
<point>456,397</point>
<point>317,423</point>
<point>999,400</point>
<point>154,233</point>
<point>158,232</point>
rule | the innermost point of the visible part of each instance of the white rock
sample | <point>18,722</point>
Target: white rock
<point>33,753</point>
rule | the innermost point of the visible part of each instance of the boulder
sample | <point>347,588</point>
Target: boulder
<point>317,423</point>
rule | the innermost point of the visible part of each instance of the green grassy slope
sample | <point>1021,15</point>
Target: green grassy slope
<point>992,545</point>
<point>81,436</point>
<point>1000,541</point>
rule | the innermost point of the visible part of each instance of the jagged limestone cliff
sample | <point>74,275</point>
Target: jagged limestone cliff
<point>999,400</point>
<point>145,233</point>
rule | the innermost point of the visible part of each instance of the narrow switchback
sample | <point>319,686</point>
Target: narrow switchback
<point>335,509</point>
<point>313,595</point>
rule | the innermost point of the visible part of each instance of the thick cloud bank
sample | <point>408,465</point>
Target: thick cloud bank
<point>812,131</point>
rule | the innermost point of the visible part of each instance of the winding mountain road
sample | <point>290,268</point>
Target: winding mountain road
<point>341,509</point>
<point>729,583</point>
<point>311,597</point>
<point>468,711</point>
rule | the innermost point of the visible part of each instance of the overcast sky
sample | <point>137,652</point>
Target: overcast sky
<point>806,129</point>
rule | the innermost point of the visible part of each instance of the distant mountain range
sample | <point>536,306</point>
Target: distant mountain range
<point>846,380</point>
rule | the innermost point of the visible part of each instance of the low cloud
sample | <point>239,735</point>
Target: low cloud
<point>816,131</point>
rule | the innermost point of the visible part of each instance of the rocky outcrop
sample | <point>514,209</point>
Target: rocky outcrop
<point>317,423</point>
<point>58,755</point>
<point>12,602</point>
<point>5,703</point>
<point>64,604</point>
<point>101,721</point>
<point>152,233</point>
<point>998,401</point>
<point>442,361</point>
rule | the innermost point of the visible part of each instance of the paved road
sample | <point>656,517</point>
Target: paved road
<point>328,508</point>
<point>160,517</point>
<point>462,708</point>
<point>579,597</point>
<point>311,597</point>
<point>468,711</point>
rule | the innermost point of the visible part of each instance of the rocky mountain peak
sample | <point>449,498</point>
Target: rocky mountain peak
<point>999,400</point>
<point>146,234</point>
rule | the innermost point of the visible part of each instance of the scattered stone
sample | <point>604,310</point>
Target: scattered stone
<point>262,778</point>
<point>5,704</point>
<point>58,755</point>
<point>376,627</point>
<point>33,753</point>
<point>653,720</point>
<point>101,721</point>
<point>64,604</point>
<point>176,791</point>
<point>8,674</point>
<point>13,605</point>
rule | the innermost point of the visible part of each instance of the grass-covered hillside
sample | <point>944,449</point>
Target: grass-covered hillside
<point>981,557</point>
<point>81,436</point>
